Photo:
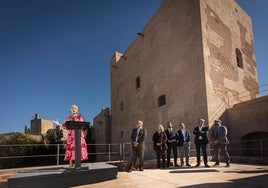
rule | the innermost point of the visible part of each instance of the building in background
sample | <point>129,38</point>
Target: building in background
<point>103,134</point>
<point>40,126</point>
<point>193,59</point>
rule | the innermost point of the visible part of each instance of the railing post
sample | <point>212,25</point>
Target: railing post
<point>109,152</point>
<point>120,151</point>
<point>123,151</point>
<point>261,148</point>
<point>58,154</point>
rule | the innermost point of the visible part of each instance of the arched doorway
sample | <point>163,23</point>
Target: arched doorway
<point>255,144</point>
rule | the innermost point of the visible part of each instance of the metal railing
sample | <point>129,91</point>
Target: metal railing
<point>120,151</point>
<point>111,151</point>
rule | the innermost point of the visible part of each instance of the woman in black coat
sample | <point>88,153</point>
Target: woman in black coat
<point>160,145</point>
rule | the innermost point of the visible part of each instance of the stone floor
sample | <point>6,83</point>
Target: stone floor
<point>238,175</point>
<point>246,176</point>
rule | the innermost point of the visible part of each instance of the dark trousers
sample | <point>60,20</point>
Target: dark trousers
<point>136,152</point>
<point>160,154</point>
<point>202,147</point>
<point>223,148</point>
<point>172,147</point>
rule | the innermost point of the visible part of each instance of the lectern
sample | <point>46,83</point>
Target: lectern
<point>77,126</point>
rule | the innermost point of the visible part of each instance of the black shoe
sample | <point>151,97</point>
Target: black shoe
<point>129,170</point>
<point>177,165</point>
<point>206,165</point>
<point>216,164</point>
<point>227,165</point>
<point>197,165</point>
<point>187,164</point>
<point>141,169</point>
<point>167,165</point>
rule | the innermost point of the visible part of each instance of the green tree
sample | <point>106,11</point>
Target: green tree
<point>53,136</point>
<point>27,130</point>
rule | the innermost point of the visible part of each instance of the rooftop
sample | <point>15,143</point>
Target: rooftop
<point>238,175</point>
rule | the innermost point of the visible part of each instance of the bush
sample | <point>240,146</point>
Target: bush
<point>11,146</point>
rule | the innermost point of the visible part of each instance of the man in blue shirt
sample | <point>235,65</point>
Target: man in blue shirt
<point>184,143</point>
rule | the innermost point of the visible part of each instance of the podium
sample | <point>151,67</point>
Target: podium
<point>77,126</point>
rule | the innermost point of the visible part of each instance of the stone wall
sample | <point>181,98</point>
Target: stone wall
<point>40,126</point>
<point>102,134</point>
<point>168,61</point>
<point>226,29</point>
<point>182,67</point>
<point>247,118</point>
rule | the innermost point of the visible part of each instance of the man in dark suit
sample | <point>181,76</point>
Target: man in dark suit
<point>219,138</point>
<point>201,142</point>
<point>138,137</point>
<point>184,143</point>
<point>171,143</point>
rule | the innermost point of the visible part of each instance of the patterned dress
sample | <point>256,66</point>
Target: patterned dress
<point>70,142</point>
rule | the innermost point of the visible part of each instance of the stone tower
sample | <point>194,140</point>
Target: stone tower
<point>40,126</point>
<point>194,59</point>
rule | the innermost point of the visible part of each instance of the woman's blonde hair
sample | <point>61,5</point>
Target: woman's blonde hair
<point>161,128</point>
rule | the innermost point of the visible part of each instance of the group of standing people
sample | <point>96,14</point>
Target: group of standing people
<point>170,140</point>
<point>167,141</point>
<point>164,142</point>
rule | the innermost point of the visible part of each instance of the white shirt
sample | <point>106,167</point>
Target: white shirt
<point>138,131</point>
<point>183,133</point>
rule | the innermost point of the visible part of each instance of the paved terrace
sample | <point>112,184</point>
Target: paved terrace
<point>238,175</point>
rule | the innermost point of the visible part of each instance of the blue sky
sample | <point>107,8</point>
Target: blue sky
<point>55,53</point>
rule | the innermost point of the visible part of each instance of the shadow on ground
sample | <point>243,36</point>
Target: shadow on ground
<point>193,171</point>
<point>256,182</point>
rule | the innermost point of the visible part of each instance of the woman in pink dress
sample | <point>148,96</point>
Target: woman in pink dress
<point>70,140</point>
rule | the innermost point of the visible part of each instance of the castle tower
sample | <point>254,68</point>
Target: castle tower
<point>40,126</point>
<point>194,59</point>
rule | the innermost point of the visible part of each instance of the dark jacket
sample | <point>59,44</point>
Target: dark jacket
<point>219,133</point>
<point>181,137</point>
<point>141,137</point>
<point>171,136</point>
<point>160,138</point>
<point>201,137</point>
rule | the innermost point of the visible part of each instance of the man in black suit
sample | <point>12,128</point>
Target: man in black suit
<point>138,137</point>
<point>201,142</point>
<point>219,138</point>
<point>171,143</point>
